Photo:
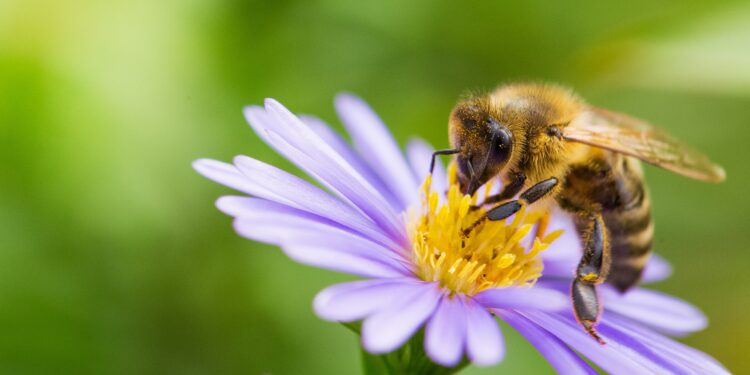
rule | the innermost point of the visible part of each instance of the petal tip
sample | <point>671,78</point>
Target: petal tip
<point>272,104</point>
<point>227,204</point>
<point>199,165</point>
<point>319,305</point>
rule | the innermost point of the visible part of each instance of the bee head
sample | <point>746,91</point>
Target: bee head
<point>484,144</point>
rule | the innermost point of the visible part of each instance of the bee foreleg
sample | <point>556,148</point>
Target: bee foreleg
<point>592,269</point>
<point>529,196</point>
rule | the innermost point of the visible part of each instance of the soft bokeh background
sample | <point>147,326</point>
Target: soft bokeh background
<point>113,258</point>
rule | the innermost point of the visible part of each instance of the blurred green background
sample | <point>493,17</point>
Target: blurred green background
<point>113,258</point>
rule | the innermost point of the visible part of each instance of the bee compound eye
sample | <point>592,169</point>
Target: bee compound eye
<point>503,144</point>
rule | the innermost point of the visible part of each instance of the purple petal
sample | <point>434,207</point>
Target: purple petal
<point>645,348</point>
<point>701,362</point>
<point>564,267</point>
<point>522,298</point>
<point>342,147</point>
<point>349,187</point>
<point>419,153</point>
<point>356,300</point>
<point>558,270</point>
<point>376,145</point>
<point>277,185</point>
<point>445,332</point>
<point>283,221</point>
<point>619,356</point>
<point>387,330</point>
<point>658,310</point>
<point>337,260</point>
<point>657,269</point>
<point>562,359</point>
<point>567,248</point>
<point>227,175</point>
<point>298,143</point>
<point>484,342</point>
<point>319,244</point>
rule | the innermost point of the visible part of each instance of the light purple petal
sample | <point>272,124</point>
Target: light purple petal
<point>522,298</point>
<point>336,260</point>
<point>419,153</point>
<point>562,359</point>
<point>657,310</point>
<point>387,330</point>
<point>343,148</point>
<point>319,244</point>
<point>657,356</point>
<point>701,362</point>
<point>353,189</point>
<point>356,300</point>
<point>564,268</point>
<point>657,269</point>
<point>298,143</point>
<point>558,270</point>
<point>484,342</point>
<point>445,332</point>
<point>567,248</point>
<point>616,357</point>
<point>377,147</point>
<point>284,221</point>
<point>227,175</point>
<point>277,185</point>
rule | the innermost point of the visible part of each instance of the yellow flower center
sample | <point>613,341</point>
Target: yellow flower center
<point>491,255</point>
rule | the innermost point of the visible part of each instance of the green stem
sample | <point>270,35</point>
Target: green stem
<point>407,360</point>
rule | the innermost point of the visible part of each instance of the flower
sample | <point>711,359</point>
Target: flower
<point>420,268</point>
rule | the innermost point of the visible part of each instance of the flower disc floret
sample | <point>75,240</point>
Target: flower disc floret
<point>493,254</point>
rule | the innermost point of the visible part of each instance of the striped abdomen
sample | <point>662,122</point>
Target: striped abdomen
<point>612,184</point>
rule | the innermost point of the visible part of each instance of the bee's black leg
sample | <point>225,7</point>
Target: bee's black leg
<point>509,208</point>
<point>529,196</point>
<point>441,152</point>
<point>592,269</point>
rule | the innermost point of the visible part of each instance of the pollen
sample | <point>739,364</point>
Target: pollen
<point>492,254</point>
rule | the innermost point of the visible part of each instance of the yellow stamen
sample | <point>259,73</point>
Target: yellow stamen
<point>492,255</point>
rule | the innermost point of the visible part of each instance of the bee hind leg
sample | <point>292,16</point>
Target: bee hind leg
<point>592,270</point>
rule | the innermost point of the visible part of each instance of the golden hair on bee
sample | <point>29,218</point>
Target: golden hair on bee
<point>533,114</point>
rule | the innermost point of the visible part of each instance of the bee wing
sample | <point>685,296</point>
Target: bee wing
<point>630,136</point>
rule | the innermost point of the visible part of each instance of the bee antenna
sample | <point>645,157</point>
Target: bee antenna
<point>441,152</point>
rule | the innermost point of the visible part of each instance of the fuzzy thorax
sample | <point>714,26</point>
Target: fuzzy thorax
<point>492,255</point>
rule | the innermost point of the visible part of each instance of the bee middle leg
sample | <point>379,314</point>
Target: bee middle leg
<point>593,269</point>
<point>529,196</point>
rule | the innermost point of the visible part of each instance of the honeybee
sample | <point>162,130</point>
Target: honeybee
<point>544,141</point>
